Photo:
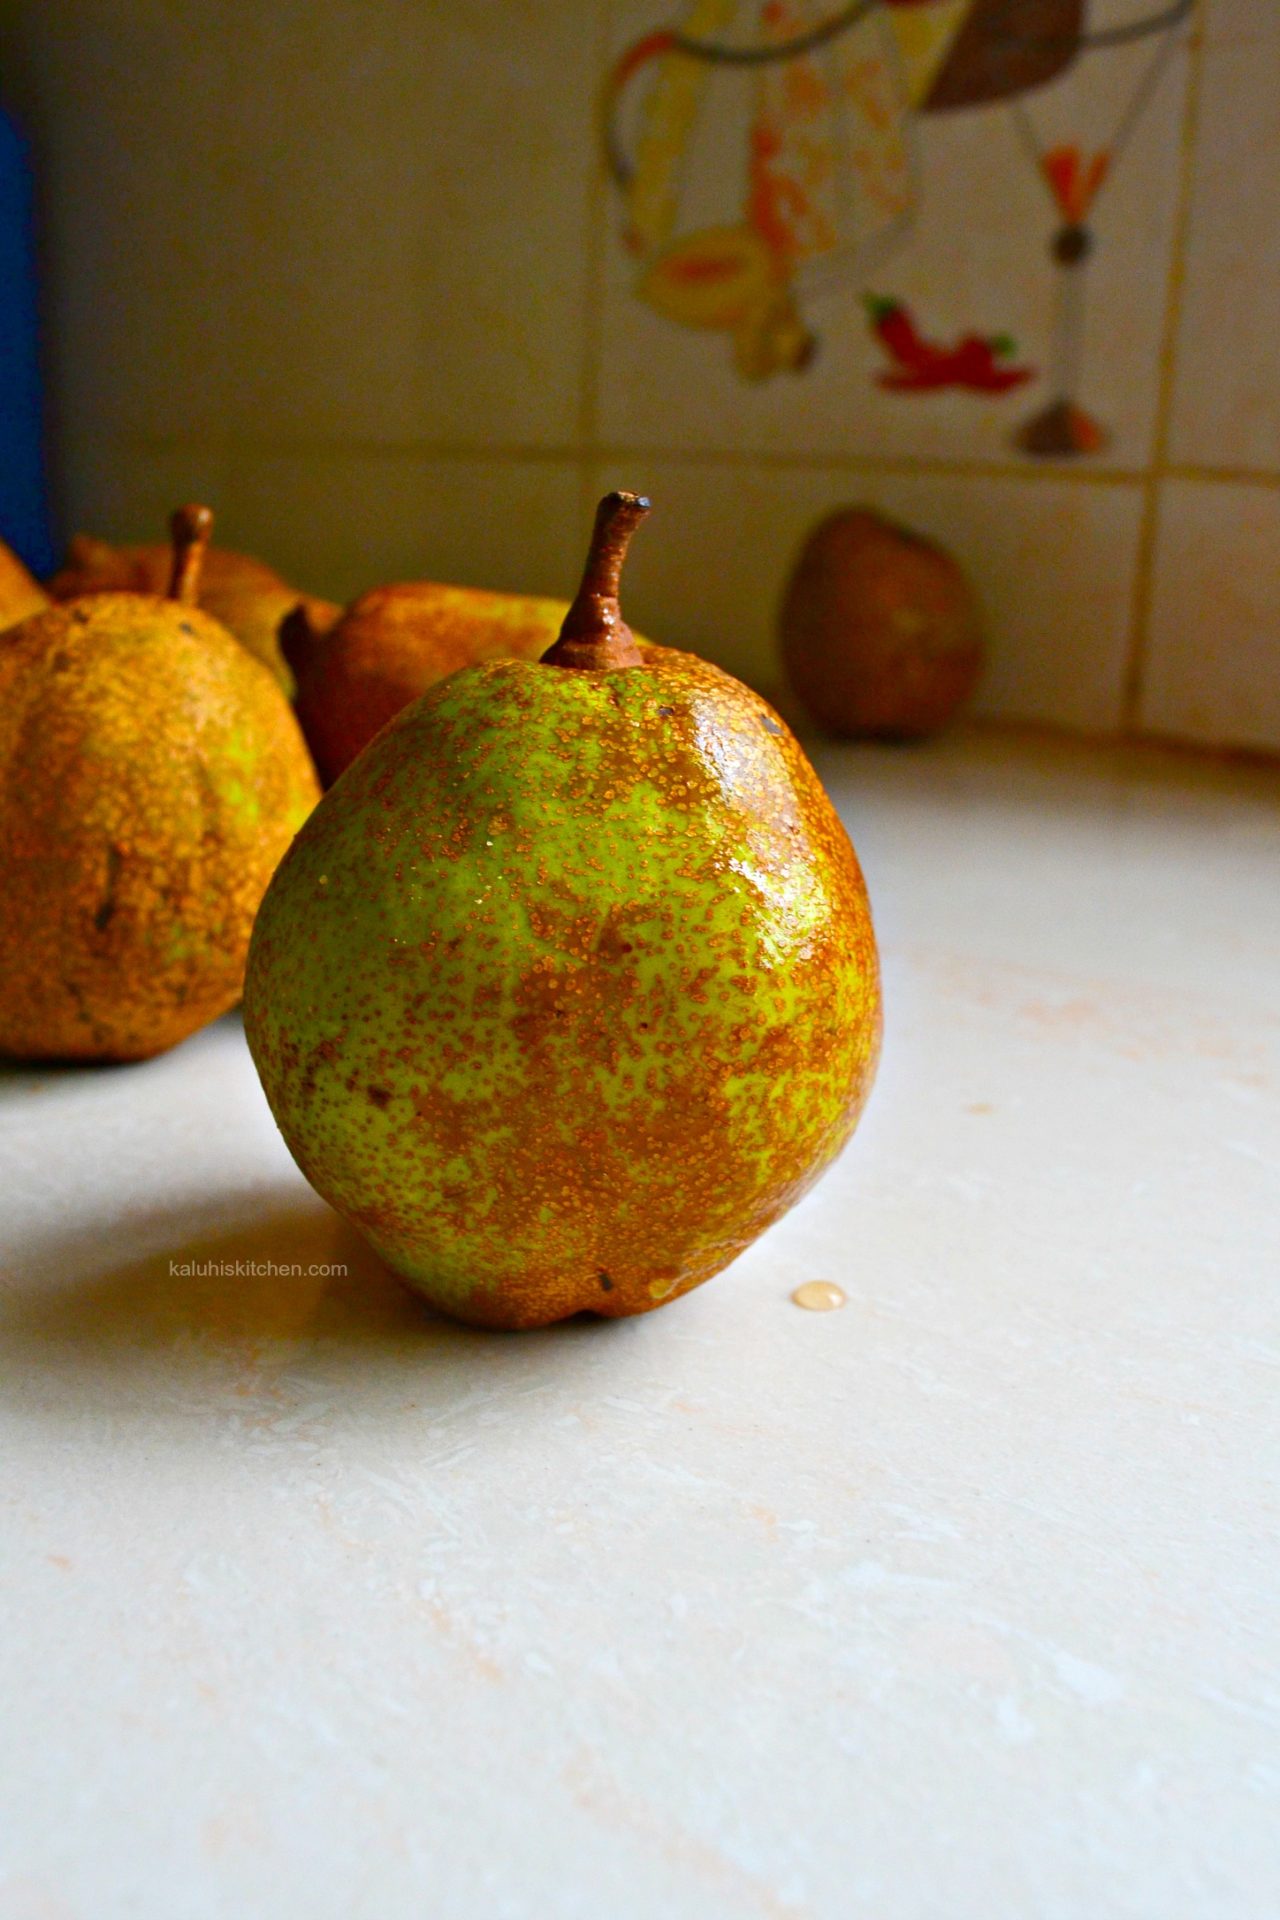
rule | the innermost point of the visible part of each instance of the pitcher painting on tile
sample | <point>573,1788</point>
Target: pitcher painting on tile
<point>769,167</point>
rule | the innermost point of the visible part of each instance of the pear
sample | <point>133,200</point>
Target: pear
<point>568,987</point>
<point>151,776</point>
<point>247,596</point>
<point>880,630</point>
<point>392,644</point>
<point>20,595</point>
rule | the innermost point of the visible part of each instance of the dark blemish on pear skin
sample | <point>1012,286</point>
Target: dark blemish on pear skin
<point>380,1097</point>
<point>769,724</point>
<point>105,913</point>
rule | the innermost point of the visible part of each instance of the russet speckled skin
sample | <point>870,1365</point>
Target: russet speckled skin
<point>392,644</point>
<point>880,632</point>
<point>568,988</point>
<point>245,594</point>
<point>151,777</point>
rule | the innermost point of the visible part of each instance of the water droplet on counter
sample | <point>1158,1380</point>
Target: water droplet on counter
<point>819,1296</point>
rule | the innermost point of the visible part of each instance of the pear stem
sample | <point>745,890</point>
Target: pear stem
<point>595,637</point>
<point>189,528</point>
<point>297,639</point>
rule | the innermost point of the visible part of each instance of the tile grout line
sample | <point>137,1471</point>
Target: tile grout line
<point>905,465</point>
<point>1221,476</point>
<point>597,232</point>
<point>215,442</point>
<point>513,453</point>
<point>1136,662</point>
<point>221,442</point>
<point>516,454</point>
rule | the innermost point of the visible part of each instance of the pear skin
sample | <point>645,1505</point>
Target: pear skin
<point>880,631</point>
<point>355,674</point>
<point>568,988</point>
<point>244,594</point>
<point>151,777</point>
<point>20,594</point>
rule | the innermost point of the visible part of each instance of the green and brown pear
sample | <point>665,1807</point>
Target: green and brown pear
<point>568,988</point>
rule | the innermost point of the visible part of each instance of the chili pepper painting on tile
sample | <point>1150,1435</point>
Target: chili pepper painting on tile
<point>832,100</point>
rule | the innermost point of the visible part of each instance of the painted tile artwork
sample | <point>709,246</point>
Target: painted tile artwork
<point>770,164</point>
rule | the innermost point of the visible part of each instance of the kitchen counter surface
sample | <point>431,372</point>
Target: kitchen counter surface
<point>962,1603</point>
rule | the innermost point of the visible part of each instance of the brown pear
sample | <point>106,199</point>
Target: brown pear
<point>391,645</point>
<point>879,628</point>
<point>247,596</point>
<point>151,777</point>
<point>20,595</point>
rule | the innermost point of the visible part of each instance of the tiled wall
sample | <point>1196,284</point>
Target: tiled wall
<point>353,271</point>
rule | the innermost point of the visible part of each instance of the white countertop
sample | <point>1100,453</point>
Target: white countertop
<point>960,1604</point>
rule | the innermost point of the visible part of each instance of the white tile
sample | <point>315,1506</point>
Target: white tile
<point>1053,562</point>
<point>339,523</point>
<point>1213,659</point>
<point>413,188</point>
<point>1227,396</point>
<point>1224,21</point>
<point>976,259</point>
